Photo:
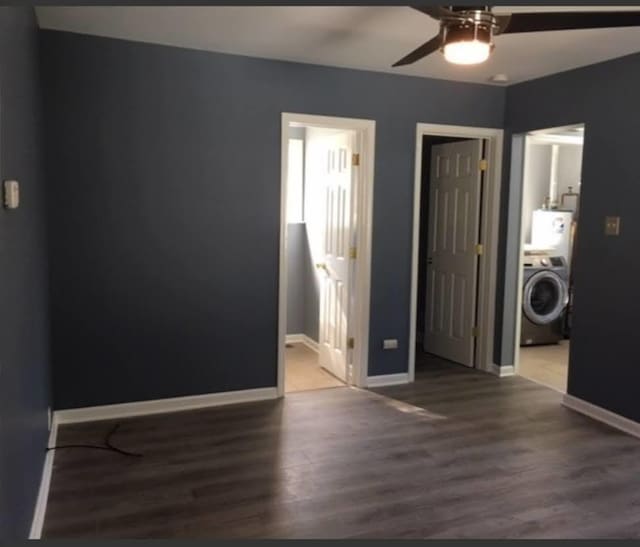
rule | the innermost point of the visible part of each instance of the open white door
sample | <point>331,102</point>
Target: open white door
<point>328,175</point>
<point>452,258</point>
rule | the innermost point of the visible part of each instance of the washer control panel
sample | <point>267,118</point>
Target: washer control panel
<point>544,262</point>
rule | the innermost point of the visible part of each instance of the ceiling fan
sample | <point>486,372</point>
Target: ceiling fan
<point>466,33</point>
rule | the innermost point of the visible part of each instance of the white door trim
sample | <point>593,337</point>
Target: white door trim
<point>490,219</point>
<point>359,322</point>
<point>517,323</point>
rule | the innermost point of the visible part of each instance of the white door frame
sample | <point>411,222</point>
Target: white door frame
<point>490,218</point>
<point>359,320</point>
<point>517,322</point>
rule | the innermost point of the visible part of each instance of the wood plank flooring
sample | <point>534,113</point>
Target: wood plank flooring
<point>457,454</point>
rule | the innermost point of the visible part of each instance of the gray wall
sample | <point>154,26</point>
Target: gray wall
<point>296,235</point>
<point>311,295</point>
<point>536,183</point>
<point>296,277</point>
<point>154,153</point>
<point>569,170</point>
<point>24,330</point>
<point>303,291</point>
<point>604,351</point>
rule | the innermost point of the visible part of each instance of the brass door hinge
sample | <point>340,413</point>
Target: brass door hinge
<point>475,332</point>
<point>353,252</point>
<point>479,249</point>
<point>355,160</point>
<point>483,165</point>
<point>350,343</point>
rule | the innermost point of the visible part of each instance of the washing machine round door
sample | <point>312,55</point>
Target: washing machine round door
<point>545,297</point>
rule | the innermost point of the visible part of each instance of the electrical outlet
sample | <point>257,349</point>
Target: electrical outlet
<point>11,194</point>
<point>390,343</point>
<point>612,226</point>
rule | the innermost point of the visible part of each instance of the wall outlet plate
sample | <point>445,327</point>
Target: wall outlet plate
<point>390,343</point>
<point>11,194</point>
<point>612,226</point>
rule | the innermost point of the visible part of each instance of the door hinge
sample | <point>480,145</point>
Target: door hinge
<point>353,252</point>
<point>479,249</point>
<point>355,160</point>
<point>483,165</point>
<point>350,343</point>
<point>475,332</point>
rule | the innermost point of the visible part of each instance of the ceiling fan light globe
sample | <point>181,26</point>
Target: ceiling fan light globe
<point>467,52</point>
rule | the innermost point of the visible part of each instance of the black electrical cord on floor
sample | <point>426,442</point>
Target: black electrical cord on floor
<point>107,442</point>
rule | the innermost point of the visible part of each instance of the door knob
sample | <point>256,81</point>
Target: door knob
<point>322,266</point>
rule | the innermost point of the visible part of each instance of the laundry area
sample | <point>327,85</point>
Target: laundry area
<point>550,220</point>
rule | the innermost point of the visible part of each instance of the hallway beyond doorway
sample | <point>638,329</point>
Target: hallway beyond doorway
<point>303,372</point>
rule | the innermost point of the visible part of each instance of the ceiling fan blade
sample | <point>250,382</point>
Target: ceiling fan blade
<point>437,12</point>
<point>424,50</point>
<point>503,22</point>
<point>539,22</point>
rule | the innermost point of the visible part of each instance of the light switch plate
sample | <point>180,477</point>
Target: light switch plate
<point>612,226</point>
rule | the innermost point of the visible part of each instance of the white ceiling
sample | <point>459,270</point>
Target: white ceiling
<point>370,38</point>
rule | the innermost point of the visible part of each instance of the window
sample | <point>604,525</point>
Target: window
<point>295,181</point>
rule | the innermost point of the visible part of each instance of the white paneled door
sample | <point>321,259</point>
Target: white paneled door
<point>452,253</point>
<point>329,173</point>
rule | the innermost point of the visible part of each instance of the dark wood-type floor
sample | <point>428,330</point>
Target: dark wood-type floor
<point>458,454</point>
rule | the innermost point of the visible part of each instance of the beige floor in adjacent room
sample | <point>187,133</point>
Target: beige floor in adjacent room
<point>302,371</point>
<point>546,365</point>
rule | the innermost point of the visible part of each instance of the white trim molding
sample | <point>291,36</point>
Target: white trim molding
<point>302,339</point>
<point>161,406</point>
<point>43,492</point>
<point>602,415</point>
<point>388,380</point>
<point>490,218</point>
<point>358,321</point>
<point>502,371</point>
<point>124,410</point>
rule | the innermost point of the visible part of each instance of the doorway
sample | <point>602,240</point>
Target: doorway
<point>456,204</point>
<point>326,208</point>
<point>551,188</point>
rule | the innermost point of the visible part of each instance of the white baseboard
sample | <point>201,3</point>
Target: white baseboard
<point>123,410</point>
<point>160,406</point>
<point>602,415</point>
<point>43,493</point>
<point>502,372</point>
<point>302,339</point>
<point>388,380</point>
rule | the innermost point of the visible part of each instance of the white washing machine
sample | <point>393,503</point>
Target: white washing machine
<point>545,294</point>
